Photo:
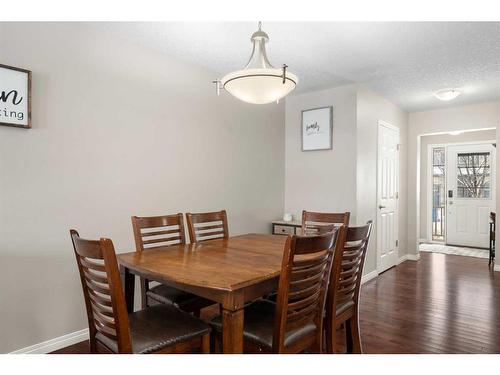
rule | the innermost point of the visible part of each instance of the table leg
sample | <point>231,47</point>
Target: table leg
<point>232,331</point>
<point>128,281</point>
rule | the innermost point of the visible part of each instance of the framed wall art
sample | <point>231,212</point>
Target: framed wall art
<point>15,97</point>
<point>317,129</point>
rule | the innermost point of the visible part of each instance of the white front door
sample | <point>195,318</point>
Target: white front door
<point>387,196</point>
<point>470,194</point>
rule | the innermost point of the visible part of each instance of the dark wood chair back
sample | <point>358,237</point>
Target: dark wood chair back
<point>318,222</point>
<point>102,289</point>
<point>345,281</point>
<point>348,265</point>
<point>305,273</point>
<point>207,226</point>
<point>158,231</point>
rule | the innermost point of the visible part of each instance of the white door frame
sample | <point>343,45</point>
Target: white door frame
<point>429,179</point>
<point>390,126</point>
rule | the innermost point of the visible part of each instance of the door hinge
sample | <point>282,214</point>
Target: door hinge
<point>398,146</point>
<point>397,243</point>
<point>397,195</point>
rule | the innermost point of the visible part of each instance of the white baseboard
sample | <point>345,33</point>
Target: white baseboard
<point>413,256</point>
<point>55,344</point>
<point>369,276</point>
<point>408,257</point>
<point>402,259</point>
<point>496,267</point>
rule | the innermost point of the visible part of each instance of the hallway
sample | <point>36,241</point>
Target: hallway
<point>439,304</point>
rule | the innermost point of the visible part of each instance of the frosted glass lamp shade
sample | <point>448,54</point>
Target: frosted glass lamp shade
<point>447,94</point>
<point>259,86</point>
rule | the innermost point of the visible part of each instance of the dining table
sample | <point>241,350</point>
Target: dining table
<point>230,271</point>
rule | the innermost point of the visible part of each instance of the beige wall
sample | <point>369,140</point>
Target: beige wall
<point>343,178</point>
<point>426,141</point>
<point>370,109</point>
<point>117,131</point>
<point>477,116</point>
<point>322,180</point>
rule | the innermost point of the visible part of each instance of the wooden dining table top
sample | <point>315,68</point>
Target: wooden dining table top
<point>223,264</point>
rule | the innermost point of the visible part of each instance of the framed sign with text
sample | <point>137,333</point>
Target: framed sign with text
<point>15,97</point>
<point>317,129</point>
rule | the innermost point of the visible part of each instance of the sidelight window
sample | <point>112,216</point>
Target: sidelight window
<point>438,193</point>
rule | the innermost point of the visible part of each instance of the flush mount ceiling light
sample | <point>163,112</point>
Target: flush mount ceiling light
<point>447,94</point>
<point>259,82</point>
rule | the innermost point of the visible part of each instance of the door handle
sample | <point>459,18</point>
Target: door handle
<point>380,206</point>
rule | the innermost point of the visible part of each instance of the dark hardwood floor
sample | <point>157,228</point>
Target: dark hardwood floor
<point>440,304</point>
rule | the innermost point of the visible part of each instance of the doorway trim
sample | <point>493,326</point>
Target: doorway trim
<point>429,181</point>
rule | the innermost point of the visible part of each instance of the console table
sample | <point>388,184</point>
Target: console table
<point>286,227</point>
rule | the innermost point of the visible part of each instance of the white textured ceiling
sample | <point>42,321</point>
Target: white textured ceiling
<point>406,62</point>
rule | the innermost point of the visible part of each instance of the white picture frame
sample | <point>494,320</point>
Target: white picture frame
<point>317,129</point>
<point>15,97</point>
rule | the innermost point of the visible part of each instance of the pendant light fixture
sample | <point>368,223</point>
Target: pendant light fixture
<point>259,82</point>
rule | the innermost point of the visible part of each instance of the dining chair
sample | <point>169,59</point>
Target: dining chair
<point>342,306</point>
<point>295,322</point>
<point>160,232</point>
<point>157,329</point>
<point>207,226</point>
<point>319,222</point>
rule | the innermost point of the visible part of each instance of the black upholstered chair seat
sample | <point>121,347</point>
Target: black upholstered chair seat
<point>259,325</point>
<point>169,295</point>
<point>183,300</point>
<point>158,327</point>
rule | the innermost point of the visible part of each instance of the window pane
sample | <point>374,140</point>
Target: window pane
<point>473,175</point>
<point>438,193</point>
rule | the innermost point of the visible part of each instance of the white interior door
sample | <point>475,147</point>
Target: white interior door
<point>387,194</point>
<point>470,193</point>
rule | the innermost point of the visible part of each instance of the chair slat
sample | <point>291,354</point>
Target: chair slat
<point>208,234</point>
<point>109,332</point>
<point>305,283</point>
<point>98,309</point>
<point>97,288</point>
<point>92,265</point>
<point>294,324</point>
<point>96,298</point>
<point>302,293</point>
<point>95,277</point>
<point>298,314</point>
<point>304,302</point>
<point>306,272</point>
<point>164,239</point>
<point>301,263</point>
<point>159,232</point>
<point>207,227</point>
